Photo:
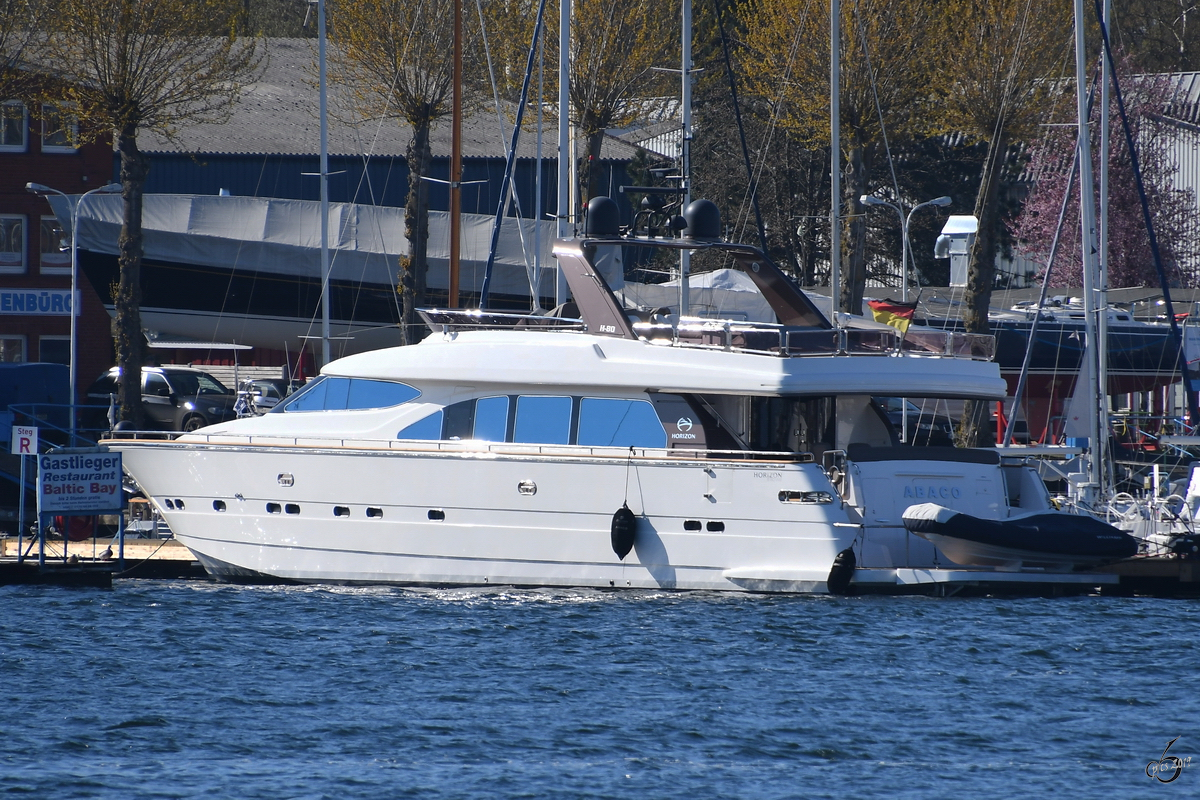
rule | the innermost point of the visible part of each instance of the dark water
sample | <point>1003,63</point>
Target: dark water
<point>160,689</point>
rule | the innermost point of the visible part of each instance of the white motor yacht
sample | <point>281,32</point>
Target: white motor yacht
<point>504,449</point>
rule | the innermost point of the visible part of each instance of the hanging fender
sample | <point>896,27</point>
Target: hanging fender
<point>841,572</point>
<point>624,531</point>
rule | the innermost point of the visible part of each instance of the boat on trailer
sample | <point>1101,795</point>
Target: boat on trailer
<point>613,450</point>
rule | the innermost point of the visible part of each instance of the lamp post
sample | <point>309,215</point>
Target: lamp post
<point>869,200</point>
<point>76,202</point>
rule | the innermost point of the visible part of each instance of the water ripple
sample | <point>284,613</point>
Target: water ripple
<point>165,689</point>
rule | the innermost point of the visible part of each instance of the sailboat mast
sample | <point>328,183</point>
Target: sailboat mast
<point>685,145</point>
<point>1102,289</point>
<point>564,139</point>
<point>835,149</point>
<point>456,159</point>
<point>1087,217</point>
<point>537,184</point>
<point>325,354</point>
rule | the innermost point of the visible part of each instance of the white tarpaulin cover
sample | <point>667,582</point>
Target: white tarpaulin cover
<point>284,237</point>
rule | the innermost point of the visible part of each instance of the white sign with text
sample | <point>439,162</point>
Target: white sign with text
<point>24,440</point>
<point>80,481</point>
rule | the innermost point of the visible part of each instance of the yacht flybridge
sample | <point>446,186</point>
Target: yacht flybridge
<point>616,449</point>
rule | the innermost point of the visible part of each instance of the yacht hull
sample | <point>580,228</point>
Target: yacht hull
<point>530,516</point>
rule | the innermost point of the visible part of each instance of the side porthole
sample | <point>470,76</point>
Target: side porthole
<point>291,508</point>
<point>341,511</point>
<point>812,498</point>
<point>178,504</point>
<point>716,527</point>
<point>274,508</point>
<point>437,514</point>
<point>218,505</point>
<point>169,503</point>
<point>691,525</point>
<point>375,513</point>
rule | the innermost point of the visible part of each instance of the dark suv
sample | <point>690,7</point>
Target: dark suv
<point>173,398</point>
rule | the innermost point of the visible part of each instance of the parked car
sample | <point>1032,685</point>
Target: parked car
<point>173,398</point>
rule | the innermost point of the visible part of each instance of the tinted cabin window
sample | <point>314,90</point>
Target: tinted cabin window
<point>619,423</point>
<point>792,424</point>
<point>366,393</point>
<point>348,394</point>
<point>543,420</point>
<point>459,420</point>
<point>491,419</point>
<point>337,391</point>
<point>428,428</point>
<point>310,397</point>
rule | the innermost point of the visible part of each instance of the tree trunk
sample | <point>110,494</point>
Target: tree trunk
<point>854,273</point>
<point>414,268</point>
<point>589,165</point>
<point>973,429</point>
<point>981,274</point>
<point>129,341</point>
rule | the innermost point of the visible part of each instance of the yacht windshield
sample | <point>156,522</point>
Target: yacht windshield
<point>347,394</point>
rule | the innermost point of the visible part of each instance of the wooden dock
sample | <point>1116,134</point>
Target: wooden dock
<point>144,558</point>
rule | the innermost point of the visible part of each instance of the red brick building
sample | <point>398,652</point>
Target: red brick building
<point>35,272</point>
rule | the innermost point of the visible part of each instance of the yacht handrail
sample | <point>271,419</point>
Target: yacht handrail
<point>455,320</point>
<point>456,446</point>
<point>737,336</point>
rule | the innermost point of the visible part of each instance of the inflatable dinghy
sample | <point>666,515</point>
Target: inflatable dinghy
<point>1047,539</point>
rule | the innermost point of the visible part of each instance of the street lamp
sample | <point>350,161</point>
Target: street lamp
<point>76,202</point>
<point>869,200</point>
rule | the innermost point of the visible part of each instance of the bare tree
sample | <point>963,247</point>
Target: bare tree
<point>885,77</point>
<point>131,65</point>
<point>616,46</point>
<point>999,58</point>
<point>1161,35</point>
<point>19,21</point>
<point>397,58</point>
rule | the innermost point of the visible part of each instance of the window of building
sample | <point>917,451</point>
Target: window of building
<point>543,420</point>
<point>54,349</point>
<point>12,349</point>
<point>55,248</point>
<point>60,129</point>
<point>12,243</point>
<point>14,127</point>
<point>613,422</point>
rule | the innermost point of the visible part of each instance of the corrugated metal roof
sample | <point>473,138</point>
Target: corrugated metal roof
<point>278,115</point>
<point>1185,105</point>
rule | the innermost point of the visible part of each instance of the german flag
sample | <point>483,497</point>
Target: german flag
<point>890,312</point>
